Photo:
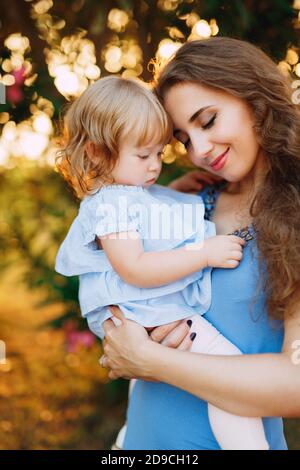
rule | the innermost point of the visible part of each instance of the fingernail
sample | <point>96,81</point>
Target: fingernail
<point>193,336</point>
<point>189,322</point>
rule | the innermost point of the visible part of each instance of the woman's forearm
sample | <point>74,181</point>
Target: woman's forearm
<point>246,385</point>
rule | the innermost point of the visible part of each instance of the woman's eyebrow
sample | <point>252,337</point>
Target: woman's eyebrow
<point>197,113</point>
<point>194,116</point>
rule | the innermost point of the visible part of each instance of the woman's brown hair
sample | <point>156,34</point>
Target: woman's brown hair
<point>245,71</point>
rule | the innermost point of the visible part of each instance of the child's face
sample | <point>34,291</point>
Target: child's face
<point>138,166</point>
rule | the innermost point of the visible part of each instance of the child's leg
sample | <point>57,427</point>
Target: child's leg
<point>231,431</point>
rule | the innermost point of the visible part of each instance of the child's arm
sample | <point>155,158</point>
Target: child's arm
<point>152,269</point>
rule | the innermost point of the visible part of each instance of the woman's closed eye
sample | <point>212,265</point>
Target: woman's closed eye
<point>210,123</point>
<point>205,126</point>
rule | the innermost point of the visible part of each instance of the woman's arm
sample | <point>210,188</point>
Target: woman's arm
<point>246,385</point>
<point>151,269</point>
<point>193,181</point>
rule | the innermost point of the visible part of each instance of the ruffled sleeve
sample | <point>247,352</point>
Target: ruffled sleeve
<point>75,258</point>
<point>108,211</point>
<point>114,209</point>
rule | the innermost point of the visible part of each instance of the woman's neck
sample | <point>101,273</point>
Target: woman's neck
<point>247,187</point>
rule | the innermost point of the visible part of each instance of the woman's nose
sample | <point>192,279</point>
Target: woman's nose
<point>201,148</point>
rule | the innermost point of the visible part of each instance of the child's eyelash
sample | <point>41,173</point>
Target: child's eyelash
<point>160,154</point>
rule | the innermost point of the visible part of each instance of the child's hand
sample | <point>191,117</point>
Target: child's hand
<point>224,251</point>
<point>193,181</point>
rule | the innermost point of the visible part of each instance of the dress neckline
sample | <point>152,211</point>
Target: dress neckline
<point>210,197</point>
<point>126,187</point>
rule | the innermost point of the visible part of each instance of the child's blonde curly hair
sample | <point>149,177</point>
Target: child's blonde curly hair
<point>95,124</point>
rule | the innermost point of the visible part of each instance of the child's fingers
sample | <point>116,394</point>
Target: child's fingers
<point>236,255</point>
<point>237,239</point>
<point>232,263</point>
<point>236,247</point>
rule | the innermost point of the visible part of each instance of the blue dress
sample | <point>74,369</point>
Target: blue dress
<point>163,417</point>
<point>165,219</point>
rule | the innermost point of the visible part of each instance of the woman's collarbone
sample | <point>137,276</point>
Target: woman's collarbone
<point>228,222</point>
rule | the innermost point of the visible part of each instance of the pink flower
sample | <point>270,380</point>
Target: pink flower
<point>76,338</point>
<point>19,76</point>
<point>14,92</point>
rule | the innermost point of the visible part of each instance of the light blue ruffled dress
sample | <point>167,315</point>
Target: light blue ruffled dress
<point>165,220</point>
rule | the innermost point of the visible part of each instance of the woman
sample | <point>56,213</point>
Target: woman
<point>233,111</point>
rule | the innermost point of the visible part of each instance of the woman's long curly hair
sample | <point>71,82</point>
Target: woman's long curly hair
<point>245,71</point>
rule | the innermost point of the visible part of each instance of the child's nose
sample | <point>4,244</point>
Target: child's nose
<point>154,166</point>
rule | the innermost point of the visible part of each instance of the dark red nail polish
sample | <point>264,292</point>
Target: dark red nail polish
<point>189,322</point>
<point>193,336</point>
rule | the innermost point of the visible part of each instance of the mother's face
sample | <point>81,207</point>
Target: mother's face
<point>216,129</point>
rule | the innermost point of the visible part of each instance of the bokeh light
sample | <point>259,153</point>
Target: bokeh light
<point>31,138</point>
<point>124,56</point>
<point>168,5</point>
<point>117,20</point>
<point>72,63</point>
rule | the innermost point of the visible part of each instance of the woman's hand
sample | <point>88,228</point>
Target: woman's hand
<point>127,347</point>
<point>193,181</point>
<point>176,335</point>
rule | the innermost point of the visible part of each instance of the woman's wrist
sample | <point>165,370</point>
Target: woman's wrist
<point>152,357</point>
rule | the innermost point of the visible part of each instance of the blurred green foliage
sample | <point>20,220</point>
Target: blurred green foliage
<point>36,211</point>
